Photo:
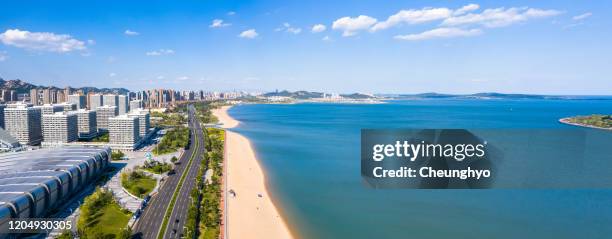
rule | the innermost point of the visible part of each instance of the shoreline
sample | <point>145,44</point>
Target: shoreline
<point>568,122</point>
<point>251,213</point>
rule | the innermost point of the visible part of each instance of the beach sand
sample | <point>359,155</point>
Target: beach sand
<point>251,213</point>
<point>225,120</point>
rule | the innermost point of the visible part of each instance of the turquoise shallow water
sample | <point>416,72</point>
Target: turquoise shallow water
<point>310,153</point>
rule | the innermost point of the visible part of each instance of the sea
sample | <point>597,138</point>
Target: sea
<point>310,153</point>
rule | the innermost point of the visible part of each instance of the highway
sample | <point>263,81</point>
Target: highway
<point>150,222</point>
<point>179,214</point>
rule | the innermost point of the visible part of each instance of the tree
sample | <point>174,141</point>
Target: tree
<point>117,155</point>
<point>173,159</point>
<point>125,233</point>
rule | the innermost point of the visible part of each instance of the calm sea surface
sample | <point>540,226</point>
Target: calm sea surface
<point>310,153</point>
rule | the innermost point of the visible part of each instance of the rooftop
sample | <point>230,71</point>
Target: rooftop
<point>24,171</point>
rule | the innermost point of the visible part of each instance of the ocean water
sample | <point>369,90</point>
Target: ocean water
<point>310,153</point>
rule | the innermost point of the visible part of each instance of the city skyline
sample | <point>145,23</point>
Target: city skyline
<point>366,46</point>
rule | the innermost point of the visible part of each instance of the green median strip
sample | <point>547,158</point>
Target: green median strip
<point>162,229</point>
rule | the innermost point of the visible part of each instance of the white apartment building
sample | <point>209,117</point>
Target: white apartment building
<point>135,105</point>
<point>49,108</point>
<point>79,100</point>
<point>87,123</point>
<point>144,121</point>
<point>103,113</point>
<point>67,106</point>
<point>124,104</point>
<point>112,100</point>
<point>59,128</point>
<point>95,101</point>
<point>23,123</point>
<point>123,132</point>
<point>2,116</point>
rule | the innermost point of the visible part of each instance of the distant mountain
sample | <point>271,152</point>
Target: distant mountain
<point>302,95</point>
<point>306,95</point>
<point>18,85</point>
<point>24,87</point>
<point>358,96</point>
<point>485,95</point>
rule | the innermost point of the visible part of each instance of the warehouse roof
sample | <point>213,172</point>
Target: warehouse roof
<point>27,171</point>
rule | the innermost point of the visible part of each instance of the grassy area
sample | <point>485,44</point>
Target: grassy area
<point>102,217</point>
<point>137,183</point>
<point>156,167</point>
<point>117,155</point>
<point>164,224</point>
<point>210,214</point>
<point>172,141</point>
<point>601,121</point>
<point>202,110</point>
<point>168,119</point>
<point>101,138</point>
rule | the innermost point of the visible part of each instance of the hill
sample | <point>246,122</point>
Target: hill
<point>24,87</point>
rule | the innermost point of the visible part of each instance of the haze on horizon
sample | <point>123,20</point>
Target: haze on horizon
<point>556,47</point>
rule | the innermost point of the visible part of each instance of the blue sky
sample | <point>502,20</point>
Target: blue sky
<point>555,47</point>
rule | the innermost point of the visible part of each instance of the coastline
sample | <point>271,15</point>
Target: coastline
<point>248,214</point>
<point>568,122</point>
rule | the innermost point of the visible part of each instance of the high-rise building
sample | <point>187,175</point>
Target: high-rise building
<point>79,100</point>
<point>95,101</point>
<point>122,102</point>
<point>60,97</point>
<point>123,132</point>
<point>67,92</point>
<point>35,96</point>
<point>87,123</point>
<point>23,123</point>
<point>60,127</point>
<point>144,121</point>
<point>66,106</point>
<point>49,109</point>
<point>112,100</point>
<point>135,105</point>
<point>103,113</point>
<point>47,96</point>
<point>2,116</point>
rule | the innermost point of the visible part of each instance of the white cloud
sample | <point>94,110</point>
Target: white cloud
<point>91,42</point>
<point>129,32</point>
<point>440,33</point>
<point>112,74</point>
<point>413,16</point>
<point>160,52</point>
<point>499,17</point>
<point>182,78</point>
<point>326,38</point>
<point>3,56</point>
<point>231,13</point>
<point>582,16</point>
<point>318,28</point>
<point>41,41</point>
<point>249,34</point>
<point>217,23</point>
<point>288,28</point>
<point>417,16</point>
<point>350,26</point>
<point>294,30</point>
<point>467,8</point>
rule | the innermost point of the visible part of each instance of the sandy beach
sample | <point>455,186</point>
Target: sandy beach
<point>224,119</point>
<point>251,213</point>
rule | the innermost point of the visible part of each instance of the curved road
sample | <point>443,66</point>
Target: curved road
<point>149,224</point>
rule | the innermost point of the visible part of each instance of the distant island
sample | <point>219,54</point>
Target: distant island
<point>590,121</point>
